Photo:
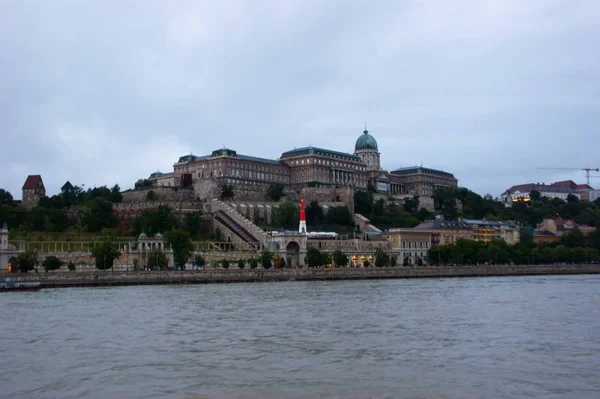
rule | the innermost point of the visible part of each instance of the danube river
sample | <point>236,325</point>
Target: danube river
<point>504,337</point>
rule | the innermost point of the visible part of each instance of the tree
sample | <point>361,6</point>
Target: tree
<point>282,263</point>
<point>157,259</point>
<point>181,245</point>
<point>225,264</point>
<point>253,263</point>
<point>411,204</point>
<point>313,257</point>
<point>115,194</point>
<point>26,261</point>
<point>339,215</point>
<point>339,258</point>
<point>241,263</point>
<point>366,263</point>
<point>98,214</point>
<point>105,255</point>
<point>381,258</point>
<point>52,263</point>
<point>151,196</point>
<point>143,183</point>
<point>393,261</point>
<point>314,213</point>
<point>573,239</point>
<point>406,261</point>
<point>5,197</point>
<point>199,261</point>
<point>226,192</point>
<point>363,202</point>
<point>71,266</point>
<point>156,220</point>
<point>275,192</point>
<point>325,258</point>
<point>266,258</point>
<point>288,215</point>
<point>535,195</point>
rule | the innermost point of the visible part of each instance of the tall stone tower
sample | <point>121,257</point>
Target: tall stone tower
<point>4,237</point>
<point>366,149</point>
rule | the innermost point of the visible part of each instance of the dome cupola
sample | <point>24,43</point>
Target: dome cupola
<point>365,142</point>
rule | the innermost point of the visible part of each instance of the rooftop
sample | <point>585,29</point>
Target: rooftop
<point>32,181</point>
<point>310,150</point>
<point>409,170</point>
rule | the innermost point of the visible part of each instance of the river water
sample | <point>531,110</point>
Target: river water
<point>505,337</point>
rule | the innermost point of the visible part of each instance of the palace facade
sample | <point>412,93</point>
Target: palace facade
<point>308,166</point>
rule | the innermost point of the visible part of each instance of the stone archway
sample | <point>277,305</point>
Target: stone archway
<point>292,254</point>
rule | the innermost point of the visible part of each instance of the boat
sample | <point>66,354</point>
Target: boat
<point>20,286</point>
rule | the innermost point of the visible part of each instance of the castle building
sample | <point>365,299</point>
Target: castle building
<point>560,189</point>
<point>33,190</point>
<point>310,166</point>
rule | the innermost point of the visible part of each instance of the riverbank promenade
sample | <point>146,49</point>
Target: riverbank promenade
<point>109,278</point>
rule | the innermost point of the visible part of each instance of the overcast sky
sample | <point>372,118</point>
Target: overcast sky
<point>105,92</point>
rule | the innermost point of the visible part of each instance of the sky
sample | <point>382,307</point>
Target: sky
<point>107,92</point>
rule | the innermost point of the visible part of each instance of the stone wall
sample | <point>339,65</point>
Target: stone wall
<point>100,278</point>
<point>163,195</point>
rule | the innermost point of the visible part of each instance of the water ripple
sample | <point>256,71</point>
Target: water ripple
<point>446,338</point>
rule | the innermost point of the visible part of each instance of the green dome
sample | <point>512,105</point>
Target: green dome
<point>142,235</point>
<point>366,142</point>
<point>158,235</point>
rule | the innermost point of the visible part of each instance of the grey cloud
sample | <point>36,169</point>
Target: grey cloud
<point>103,93</point>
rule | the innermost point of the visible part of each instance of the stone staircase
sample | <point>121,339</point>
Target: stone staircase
<point>256,232</point>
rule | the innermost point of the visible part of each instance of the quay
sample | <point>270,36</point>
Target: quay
<point>208,276</point>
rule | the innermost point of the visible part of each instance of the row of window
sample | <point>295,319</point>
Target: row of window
<point>319,161</point>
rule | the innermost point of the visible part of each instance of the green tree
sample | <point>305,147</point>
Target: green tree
<point>253,263</point>
<point>313,257</point>
<point>181,245</point>
<point>275,192</point>
<point>5,197</point>
<point>325,258</point>
<point>157,259</point>
<point>535,195</point>
<point>339,215</point>
<point>241,263</point>
<point>573,239</point>
<point>406,261</point>
<point>366,263</point>
<point>156,220</point>
<point>71,266</point>
<point>199,261</point>
<point>105,255</point>
<point>363,202</point>
<point>115,194</point>
<point>151,196</point>
<point>227,192</point>
<point>393,261</point>
<point>26,261</point>
<point>266,259</point>
<point>339,258</point>
<point>225,264</point>
<point>288,215</point>
<point>314,213</point>
<point>282,263</point>
<point>98,214</point>
<point>381,258</point>
<point>143,183</point>
<point>411,204</point>
<point>52,263</point>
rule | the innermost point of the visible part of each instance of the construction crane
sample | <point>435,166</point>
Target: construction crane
<point>587,171</point>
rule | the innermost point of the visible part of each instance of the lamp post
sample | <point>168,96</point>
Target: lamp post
<point>127,250</point>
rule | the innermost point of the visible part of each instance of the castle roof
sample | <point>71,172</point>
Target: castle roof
<point>365,142</point>
<point>32,182</point>
<point>310,150</point>
<point>412,170</point>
